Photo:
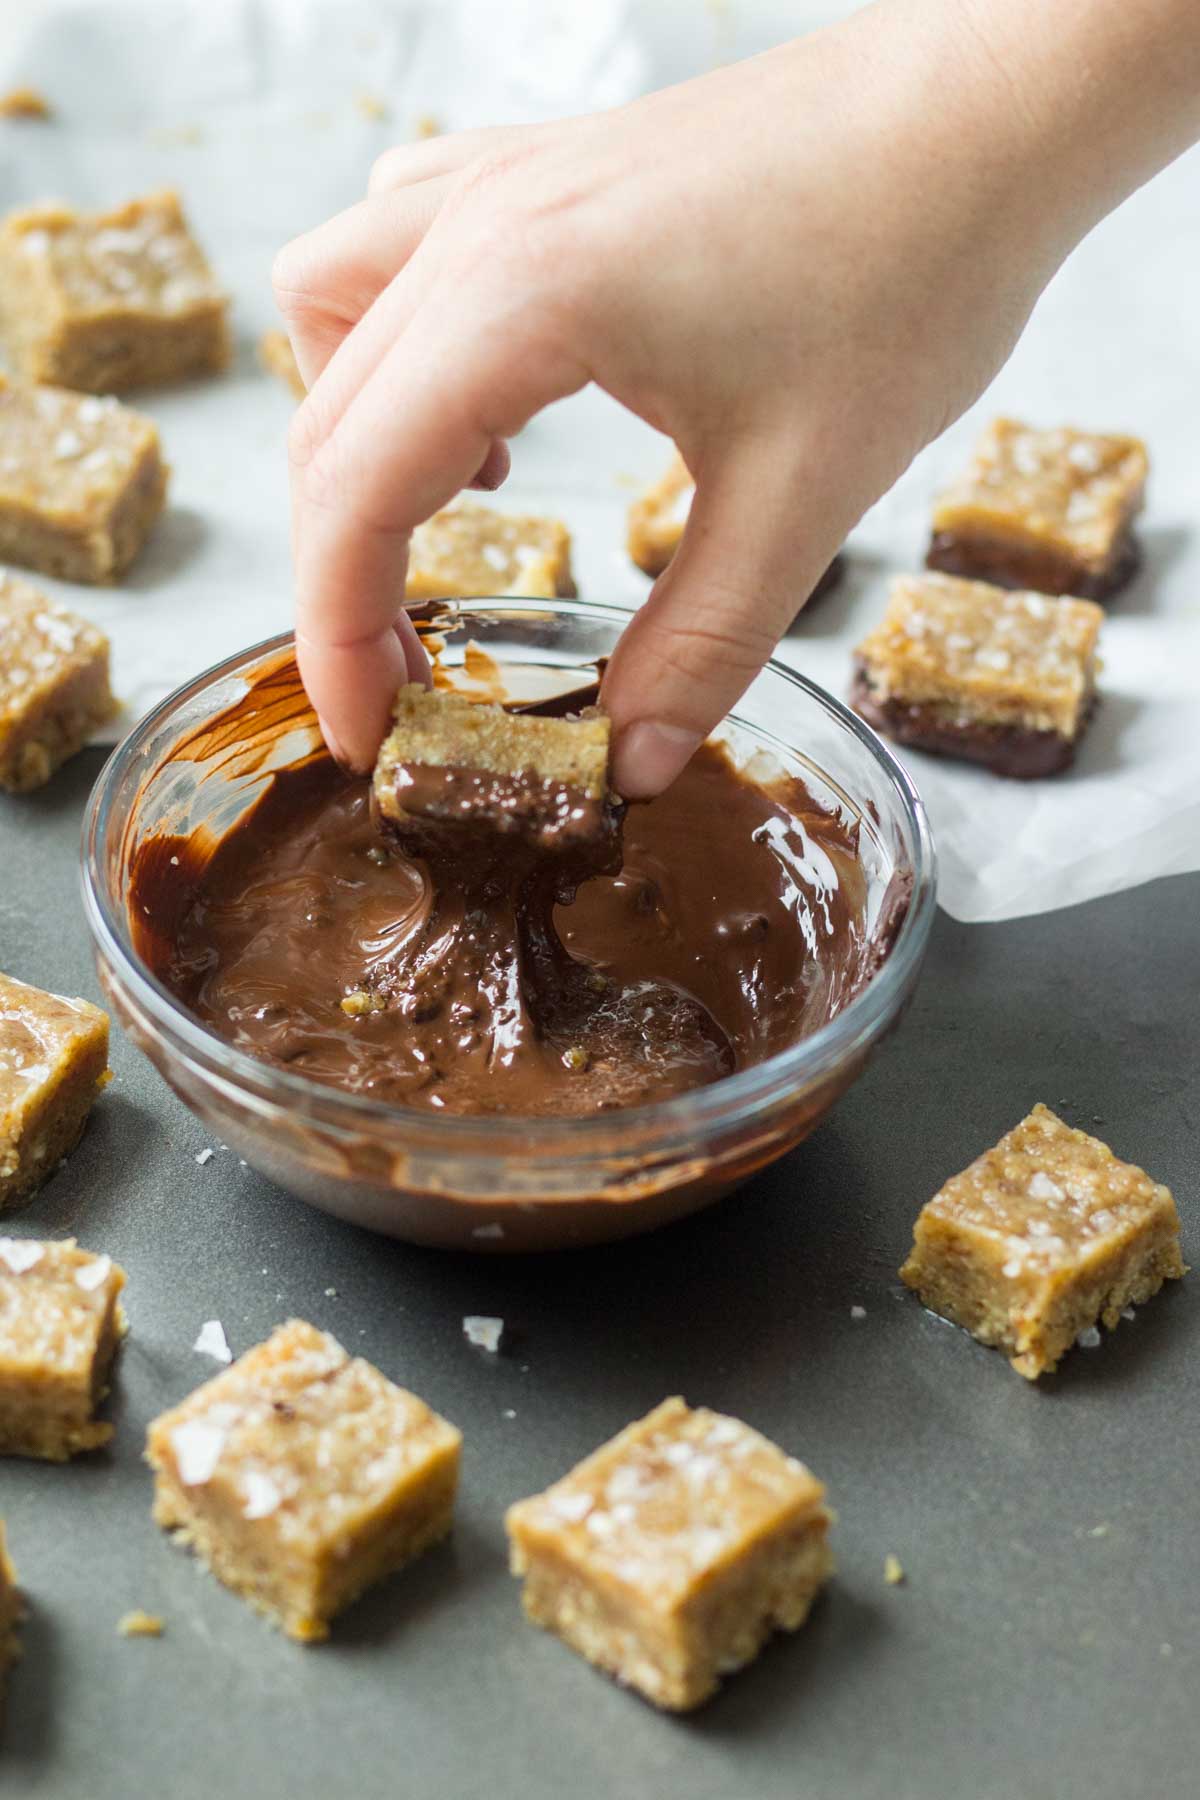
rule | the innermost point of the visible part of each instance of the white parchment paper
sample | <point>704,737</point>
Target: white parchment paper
<point>263,113</point>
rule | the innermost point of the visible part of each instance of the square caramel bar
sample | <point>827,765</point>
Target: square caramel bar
<point>53,1061</point>
<point>301,1475</point>
<point>107,301</point>
<point>82,481</point>
<point>670,1554</point>
<point>963,669</point>
<point>1040,1239</point>
<point>1048,510</point>
<point>60,1323</point>
<point>657,519</point>
<point>54,688</point>
<point>470,552</point>
<point>277,357</point>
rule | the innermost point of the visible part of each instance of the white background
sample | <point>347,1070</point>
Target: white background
<point>249,107</point>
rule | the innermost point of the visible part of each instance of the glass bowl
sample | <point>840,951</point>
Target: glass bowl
<point>491,1183</point>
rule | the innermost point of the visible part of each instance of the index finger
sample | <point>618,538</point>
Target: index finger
<point>467,370</point>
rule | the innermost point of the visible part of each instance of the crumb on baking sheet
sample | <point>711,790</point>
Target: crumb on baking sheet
<point>485,1333</point>
<point>427,126</point>
<point>213,1342</point>
<point>893,1571</point>
<point>137,1624</point>
<point>170,137</point>
<point>24,103</point>
<point>371,106</point>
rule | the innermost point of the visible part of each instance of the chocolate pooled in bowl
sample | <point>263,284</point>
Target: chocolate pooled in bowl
<point>485,928</point>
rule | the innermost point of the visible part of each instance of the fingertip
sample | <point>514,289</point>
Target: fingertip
<point>649,754</point>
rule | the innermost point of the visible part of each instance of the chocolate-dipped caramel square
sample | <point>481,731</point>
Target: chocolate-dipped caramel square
<point>967,670</point>
<point>1047,510</point>
<point>464,766</point>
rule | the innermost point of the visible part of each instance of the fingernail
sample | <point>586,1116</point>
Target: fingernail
<point>649,755</point>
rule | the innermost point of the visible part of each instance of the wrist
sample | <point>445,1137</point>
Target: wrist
<point>1089,98</point>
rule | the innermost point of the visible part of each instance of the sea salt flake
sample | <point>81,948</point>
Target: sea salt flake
<point>262,1495</point>
<point>858,1312</point>
<point>197,1444</point>
<point>491,1232</point>
<point>20,1254</point>
<point>67,444</point>
<point>572,1507</point>
<point>203,1156</point>
<point>61,632</point>
<point>1042,1188</point>
<point>681,506</point>
<point>213,1342</point>
<point>94,1274</point>
<point>35,243</point>
<point>1089,1338</point>
<point>1085,456</point>
<point>484,1332</point>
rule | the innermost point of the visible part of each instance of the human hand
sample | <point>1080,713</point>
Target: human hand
<point>801,268</point>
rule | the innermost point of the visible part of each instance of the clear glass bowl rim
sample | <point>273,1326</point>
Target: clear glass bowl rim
<point>685,1117</point>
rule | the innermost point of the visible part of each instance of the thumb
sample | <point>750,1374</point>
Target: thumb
<point>757,541</point>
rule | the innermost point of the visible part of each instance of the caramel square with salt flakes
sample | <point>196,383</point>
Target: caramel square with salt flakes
<point>966,669</point>
<point>1044,1237</point>
<point>82,480</point>
<point>1048,510</point>
<point>671,1553</point>
<point>471,552</point>
<point>53,1062</point>
<point>108,301</point>
<point>60,1323</point>
<point>54,684</point>
<point>301,1475</point>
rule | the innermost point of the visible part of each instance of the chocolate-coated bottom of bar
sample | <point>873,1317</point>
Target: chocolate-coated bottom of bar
<point>1005,749</point>
<point>829,580</point>
<point>552,814</point>
<point>1011,565</point>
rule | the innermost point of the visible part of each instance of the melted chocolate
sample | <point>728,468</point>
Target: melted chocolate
<point>486,972</point>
